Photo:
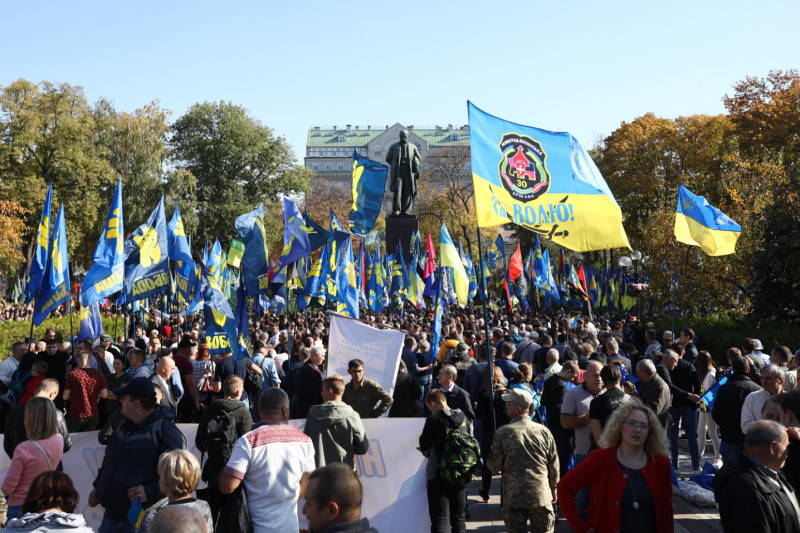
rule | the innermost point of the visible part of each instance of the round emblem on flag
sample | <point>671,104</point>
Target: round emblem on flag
<point>523,170</point>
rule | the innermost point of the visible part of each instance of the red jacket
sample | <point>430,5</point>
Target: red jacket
<point>603,475</point>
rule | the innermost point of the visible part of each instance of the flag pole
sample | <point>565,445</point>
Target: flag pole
<point>116,318</point>
<point>71,329</point>
<point>675,289</point>
<point>486,332</point>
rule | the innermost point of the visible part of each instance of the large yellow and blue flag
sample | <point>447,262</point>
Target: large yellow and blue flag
<point>180,252</point>
<point>541,180</point>
<point>448,257</point>
<point>221,332</point>
<point>346,286</point>
<point>701,224</point>
<point>39,258</point>
<point>214,263</point>
<point>90,326</point>
<point>255,261</point>
<point>55,283</point>
<point>438,310</point>
<point>107,273</point>
<point>369,181</point>
<point>295,235</point>
<point>544,274</point>
<point>147,257</point>
<point>317,235</point>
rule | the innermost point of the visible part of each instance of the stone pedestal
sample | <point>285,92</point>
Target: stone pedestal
<point>400,229</point>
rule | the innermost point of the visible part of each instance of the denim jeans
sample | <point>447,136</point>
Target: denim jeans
<point>425,383</point>
<point>110,525</point>
<point>687,416</point>
<point>582,497</point>
<point>14,511</point>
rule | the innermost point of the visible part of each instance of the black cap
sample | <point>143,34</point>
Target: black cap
<point>139,387</point>
<point>187,342</point>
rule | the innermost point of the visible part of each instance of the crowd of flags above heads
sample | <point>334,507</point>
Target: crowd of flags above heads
<point>541,180</point>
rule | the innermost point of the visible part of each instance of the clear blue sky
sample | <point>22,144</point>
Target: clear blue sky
<point>582,67</point>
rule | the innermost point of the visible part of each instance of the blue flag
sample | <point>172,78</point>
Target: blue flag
<point>317,235</point>
<point>708,397</point>
<point>295,235</point>
<point>437,320</point>
<point>179,250</point>
<point>39,259</point>
<point>247,307</point>
<point>222,335</point>
<point>214,263</point>
<point>89,326</point>
<point>55,284</point>
<point>147,257</point>
<point>377,284</point>
<point>369,182</point>
<point>255,261</point>
<point>107,273</point>
<point>346,286</point>
<point>496,252</point>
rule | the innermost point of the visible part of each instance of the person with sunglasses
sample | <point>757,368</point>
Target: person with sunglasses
<point>629,478</point>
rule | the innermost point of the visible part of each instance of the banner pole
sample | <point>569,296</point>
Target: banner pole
<point>486,332</point>
<point>36,296</point>
<point>675,289</point>
<point>71,329</point>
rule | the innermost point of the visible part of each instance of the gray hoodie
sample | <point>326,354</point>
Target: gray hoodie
<point>336,431</point>
<point>48,522</point>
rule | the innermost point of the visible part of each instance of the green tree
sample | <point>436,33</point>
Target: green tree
<point>237,163</point>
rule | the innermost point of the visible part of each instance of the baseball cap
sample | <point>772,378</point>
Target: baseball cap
<point>757,344</point>
<point>140,387</point>
<point>106,338</point>
<point>521,396</point>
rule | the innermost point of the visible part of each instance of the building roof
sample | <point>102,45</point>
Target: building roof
<point>361,137</point>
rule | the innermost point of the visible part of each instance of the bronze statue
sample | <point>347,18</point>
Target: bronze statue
<point>403,158</point>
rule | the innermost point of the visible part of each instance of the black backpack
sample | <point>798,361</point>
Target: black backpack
<point>460,455</point>
<point>253,382</point>
<point>221,437</point>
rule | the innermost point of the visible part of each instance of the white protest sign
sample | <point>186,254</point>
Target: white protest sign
<point>392,473</point>
<point>380,350</point>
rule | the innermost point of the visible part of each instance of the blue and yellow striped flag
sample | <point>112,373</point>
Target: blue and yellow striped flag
<point>448,257</point>
<point>699,223</point>
<point>541,180</point>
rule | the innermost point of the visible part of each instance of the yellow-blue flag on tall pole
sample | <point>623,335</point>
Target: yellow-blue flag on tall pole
<point>369,181</point>
<point>448,257</point>
<point>541,180</point>
<point>699,223</point>
<point>55,284</point>
<point>39,258</point>
<point>147,258</point>
<point>106,275</point>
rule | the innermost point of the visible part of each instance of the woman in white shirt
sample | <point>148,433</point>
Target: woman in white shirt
<point>708,377</point>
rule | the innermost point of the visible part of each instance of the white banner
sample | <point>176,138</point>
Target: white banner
<point>392,473</point>
<point>380,350</point>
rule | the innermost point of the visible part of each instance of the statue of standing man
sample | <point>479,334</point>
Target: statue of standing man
<point>403,158</point>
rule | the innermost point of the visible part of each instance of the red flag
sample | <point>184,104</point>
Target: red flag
<point>582,278</point>
<point>430,264</point>
<point>515,265</point>
<point>508,296</point>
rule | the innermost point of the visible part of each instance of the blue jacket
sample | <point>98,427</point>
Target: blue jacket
<point>131,459</point>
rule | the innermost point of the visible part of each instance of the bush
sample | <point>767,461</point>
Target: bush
<point>11,332</point>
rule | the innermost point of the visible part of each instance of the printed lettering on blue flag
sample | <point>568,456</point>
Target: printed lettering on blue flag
<point>221,333</point>
<point>147,258</point>
<point>255,261</point>
<point>369,182</point>
<point>55,284</point>
<point>107,273</point>
<point>40,251</point>
<point>295,234</point>
<point>317,235</point>
<point>89,326</point>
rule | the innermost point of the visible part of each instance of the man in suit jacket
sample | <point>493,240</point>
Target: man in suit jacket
<point>164,369</point>
<point>457,398</point>
<point>403,158</point>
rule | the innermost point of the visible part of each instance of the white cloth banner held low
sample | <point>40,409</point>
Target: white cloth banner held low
<point>380,350</point>
<point>392,473</point>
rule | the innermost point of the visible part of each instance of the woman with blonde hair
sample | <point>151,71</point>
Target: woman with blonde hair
<point>629,478</point>
<point>40,453</point>
<point>178,477</point>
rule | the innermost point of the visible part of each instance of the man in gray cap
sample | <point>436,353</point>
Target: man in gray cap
<point>525,453</point>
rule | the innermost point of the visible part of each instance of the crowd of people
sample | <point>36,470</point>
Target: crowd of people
<point>581,418</point>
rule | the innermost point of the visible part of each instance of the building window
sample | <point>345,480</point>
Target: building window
<point>327,166</point>
<point>454,136</point>
<point>340,167</point>
<point>341,138</point>
<point>377,152</point>
<point>378,148</point>
<point>315,167</point>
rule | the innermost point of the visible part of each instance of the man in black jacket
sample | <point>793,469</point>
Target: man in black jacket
<point>727,410</point>
<point>752,493</point>
<point>685,389</point>
<point>687,341</point>
<point>457,398</point>
<point>553,392</point>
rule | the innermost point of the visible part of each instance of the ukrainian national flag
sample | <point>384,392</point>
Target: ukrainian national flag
<point>449,258</point>
<point>39,259</point>
<point>107,273</point>
<point>701,224</point>
<point>369,181</point>
<point>542,180</point>
<point>55,283</point>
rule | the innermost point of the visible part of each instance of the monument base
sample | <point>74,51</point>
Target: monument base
<point>400,229</point>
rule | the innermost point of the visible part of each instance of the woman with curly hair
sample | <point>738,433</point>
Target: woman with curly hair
<point>629,478</point>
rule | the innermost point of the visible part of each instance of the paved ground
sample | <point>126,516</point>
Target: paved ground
<point>488,517</point>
